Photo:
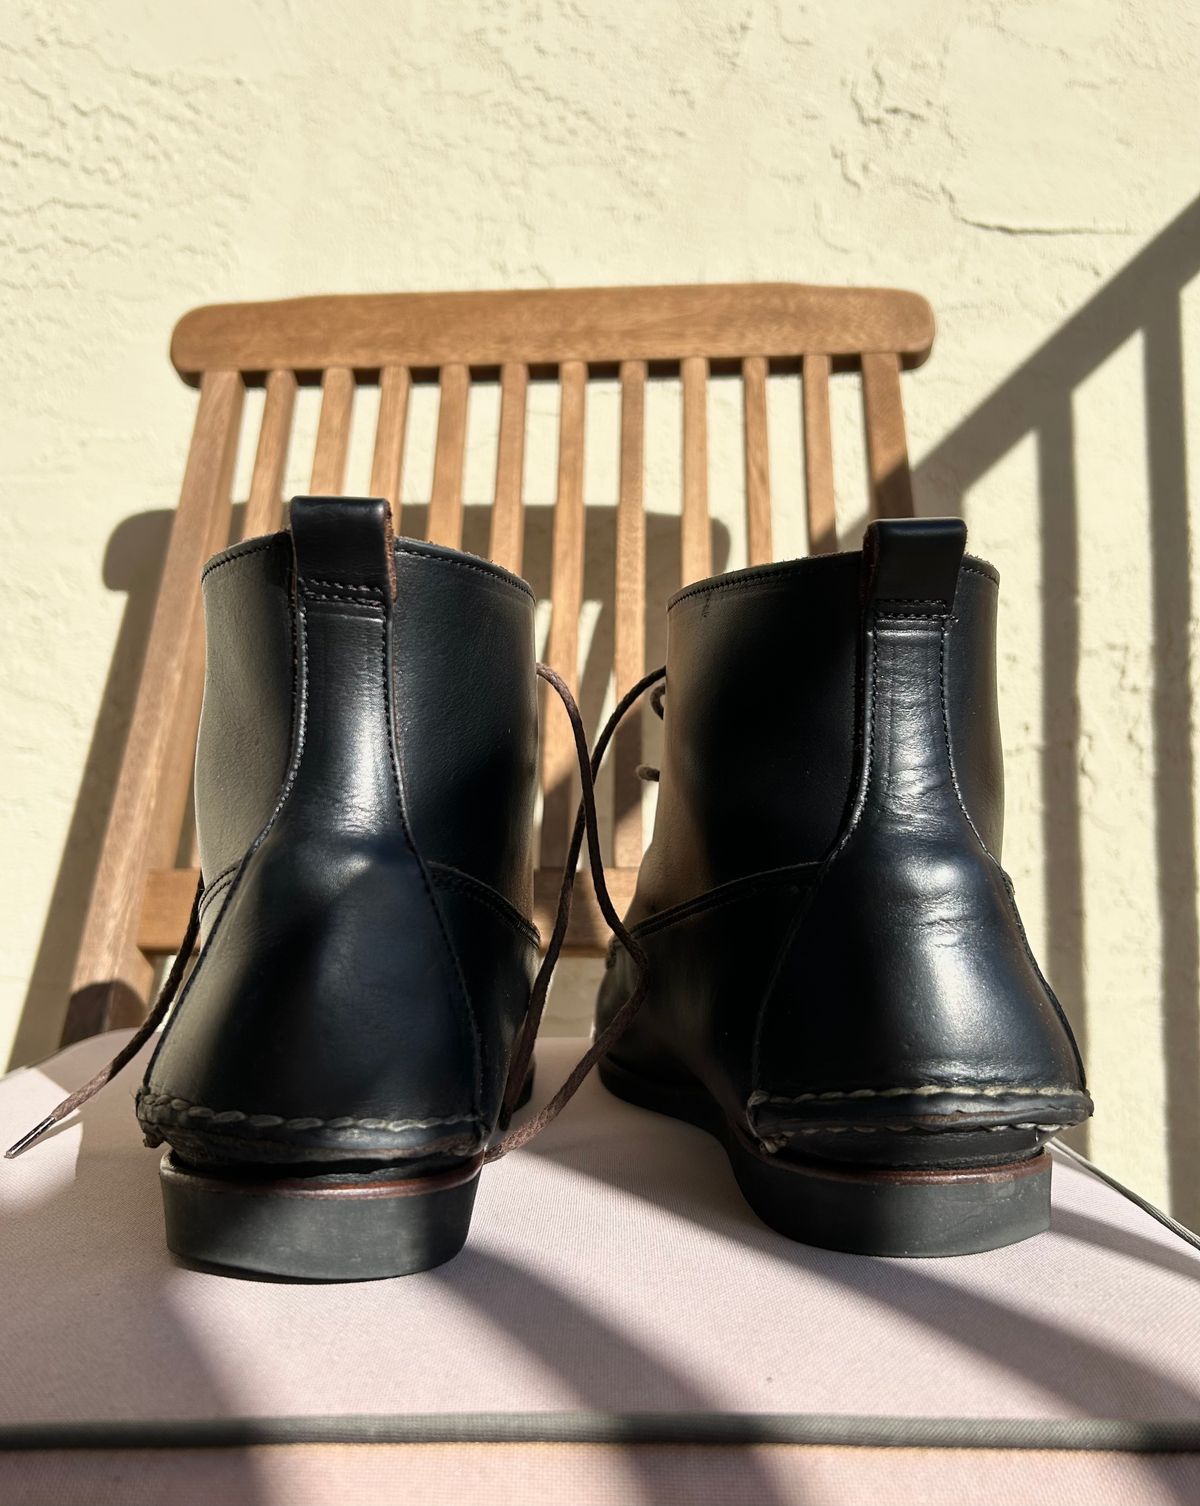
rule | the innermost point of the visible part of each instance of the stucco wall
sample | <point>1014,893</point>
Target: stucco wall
<point>1018,164</point>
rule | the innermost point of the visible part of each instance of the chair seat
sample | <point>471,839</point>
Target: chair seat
<point>615,1288</point>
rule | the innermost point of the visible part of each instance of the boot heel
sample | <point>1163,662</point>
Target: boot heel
<point>352,1228</point>
<point>909,1212</point>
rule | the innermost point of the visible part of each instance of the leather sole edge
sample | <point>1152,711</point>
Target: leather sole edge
<point>353,1229</point>
<point>911,1212</point>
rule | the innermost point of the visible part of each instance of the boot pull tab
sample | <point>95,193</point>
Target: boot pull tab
<point>914,561</point>
<point>344,541</point>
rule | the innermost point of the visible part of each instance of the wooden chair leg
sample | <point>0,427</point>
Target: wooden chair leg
<point>112,977</point>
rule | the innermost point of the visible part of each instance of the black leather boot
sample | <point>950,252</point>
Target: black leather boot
<point>839,985</point>
<point>365,782</point>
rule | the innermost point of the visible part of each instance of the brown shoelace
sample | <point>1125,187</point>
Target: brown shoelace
<point>585,821</point>
<point>585,818</point>
<point>132,1046</point>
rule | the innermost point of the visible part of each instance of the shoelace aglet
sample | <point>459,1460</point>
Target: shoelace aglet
<point>30,1137</point>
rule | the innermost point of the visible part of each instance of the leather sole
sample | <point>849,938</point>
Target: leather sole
<point>902,1212</point>
<point>356,1228</point>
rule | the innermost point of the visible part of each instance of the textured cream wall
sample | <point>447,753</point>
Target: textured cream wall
<point>1018,164</point>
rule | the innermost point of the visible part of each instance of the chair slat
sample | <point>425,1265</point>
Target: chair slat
<point>446,503</point>
<point>508,517</point>
<point>758,471</point>
<point>387,462</point>
<point>695,544</point>
<point>333,433</point>
<point>111,976</point>
<point>566,601</point>
<point>264,510</point>
<point>887,447</point>
<point>629,637</point>
<point>818,456</point>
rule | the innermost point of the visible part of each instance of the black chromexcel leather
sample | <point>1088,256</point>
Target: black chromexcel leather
<point>837,967</point>
<point>365,781</point>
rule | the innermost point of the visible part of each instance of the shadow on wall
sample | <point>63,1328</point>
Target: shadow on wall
<point>1035,400</point>
<point>133,564</point>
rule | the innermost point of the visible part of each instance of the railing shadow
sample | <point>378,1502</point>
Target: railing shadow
<point>100,1218</point>
<point>1036,401</point>
<point>1085,1372</point>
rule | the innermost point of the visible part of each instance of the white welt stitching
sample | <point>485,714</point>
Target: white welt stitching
<point>923,1090</point>
<point>775,1143</point>
<point>153,1101</point>
<point>910,1129</point>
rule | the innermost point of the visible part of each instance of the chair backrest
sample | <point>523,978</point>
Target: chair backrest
<point>694,335</point>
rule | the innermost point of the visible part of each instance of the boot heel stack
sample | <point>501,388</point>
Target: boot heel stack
<point>317,1228</point>
<point>900,1211</point>
<point>910,1211</point>
<point>342,1225</point>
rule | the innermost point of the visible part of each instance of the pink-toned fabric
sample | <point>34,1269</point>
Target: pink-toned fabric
<point>596,1475</point>
<point>612,1266</point>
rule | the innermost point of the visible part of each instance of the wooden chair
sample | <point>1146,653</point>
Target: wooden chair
<point>140,898</point>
